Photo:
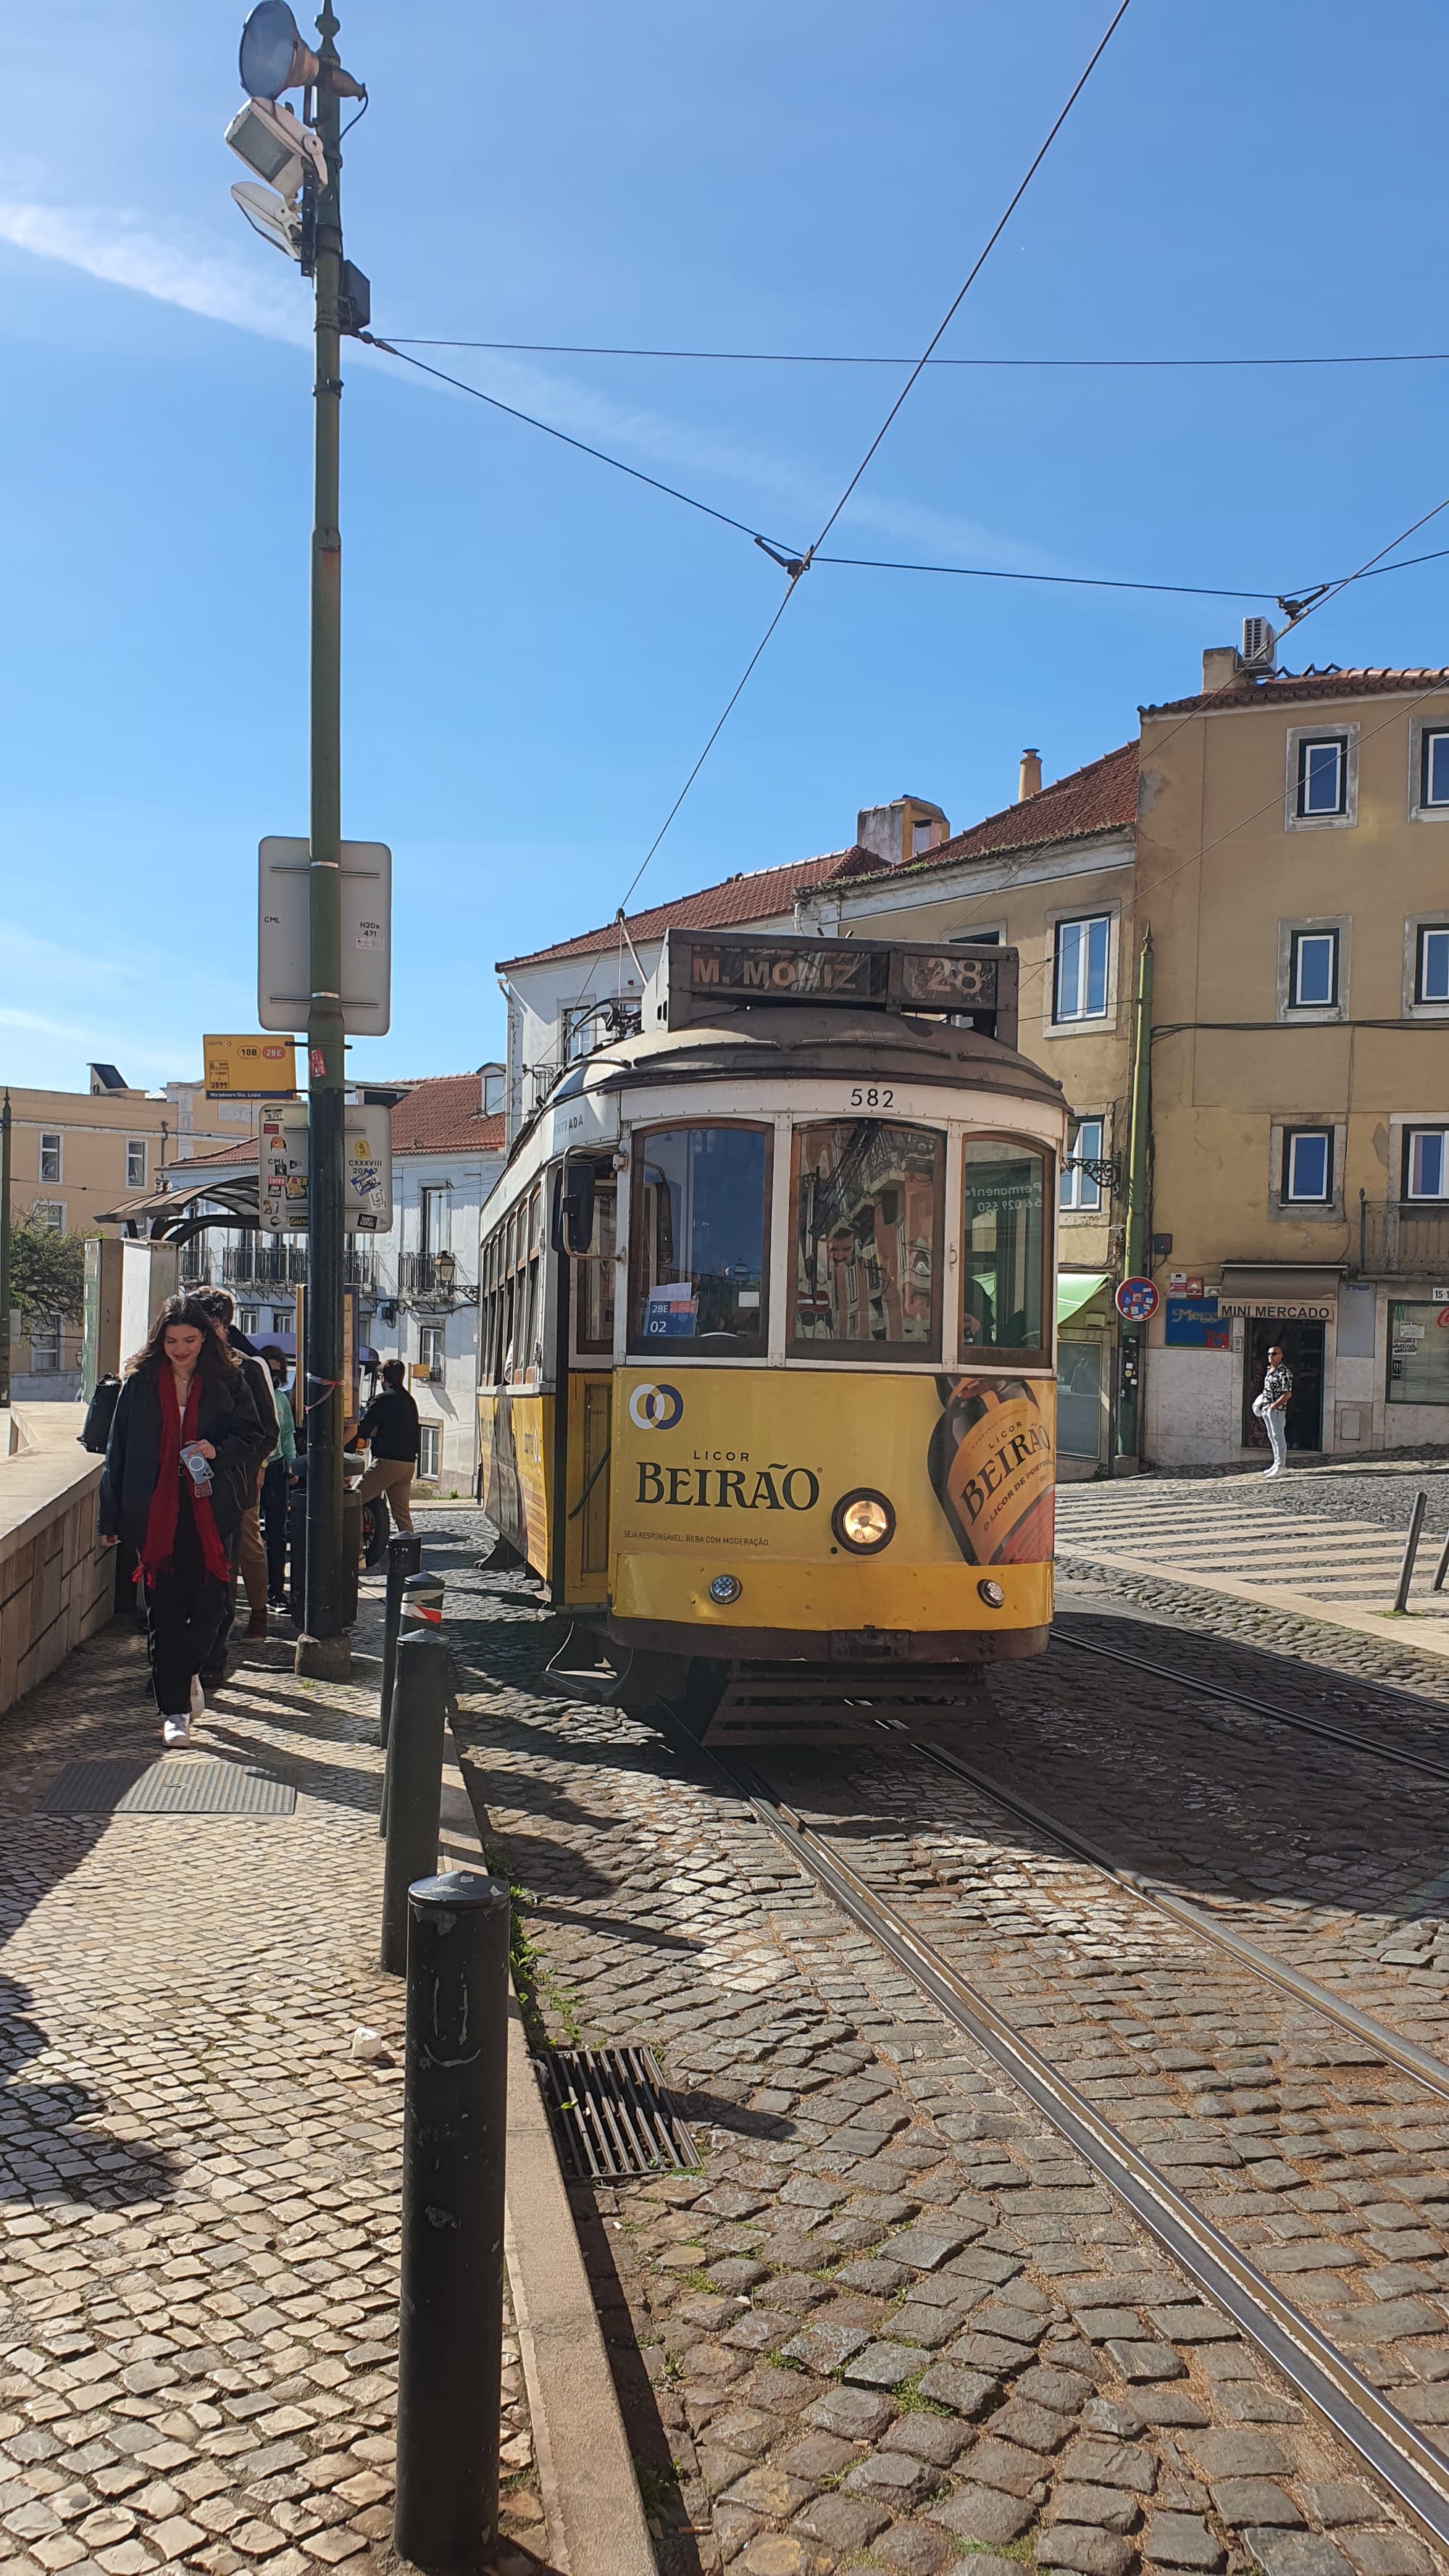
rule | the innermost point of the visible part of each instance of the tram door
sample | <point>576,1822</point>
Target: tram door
<point>594,1284</point>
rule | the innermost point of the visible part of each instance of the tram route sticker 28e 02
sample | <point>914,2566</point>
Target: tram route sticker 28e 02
<point>1137,1300</point>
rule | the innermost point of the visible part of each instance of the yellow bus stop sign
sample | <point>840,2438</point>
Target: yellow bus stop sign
<point>250,1068</point>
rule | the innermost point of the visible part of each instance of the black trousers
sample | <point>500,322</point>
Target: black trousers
<point>187,1613</point>
<point>275,1493</point>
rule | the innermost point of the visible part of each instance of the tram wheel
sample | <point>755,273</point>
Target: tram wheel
<point>681,1690</point>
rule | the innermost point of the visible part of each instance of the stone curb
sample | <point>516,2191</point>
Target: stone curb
<point>591,2499</point>
<point>1388,1630</point>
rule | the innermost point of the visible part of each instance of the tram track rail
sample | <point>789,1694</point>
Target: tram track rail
<point>1388,2446</point>
<point>1342,1735</point>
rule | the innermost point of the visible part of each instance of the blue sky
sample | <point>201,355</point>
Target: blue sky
<point>536,648</point>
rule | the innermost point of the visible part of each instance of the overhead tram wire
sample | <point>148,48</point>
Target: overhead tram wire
<point>831,358</point>
<point>794,567</point>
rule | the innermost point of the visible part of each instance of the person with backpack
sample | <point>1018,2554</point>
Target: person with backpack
<point>186,1441</point>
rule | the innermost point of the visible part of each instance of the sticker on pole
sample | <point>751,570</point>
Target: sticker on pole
<point>1137,1301</point>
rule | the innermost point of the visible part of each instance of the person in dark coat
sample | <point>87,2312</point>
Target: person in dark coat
<point>391,1425</point>
<point>181,1463</point>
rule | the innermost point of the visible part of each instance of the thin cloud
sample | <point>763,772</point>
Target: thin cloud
<point>118,250</point>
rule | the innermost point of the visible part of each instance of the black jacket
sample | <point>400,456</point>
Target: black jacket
<point>128,1479</point>
<point>391,1424</point>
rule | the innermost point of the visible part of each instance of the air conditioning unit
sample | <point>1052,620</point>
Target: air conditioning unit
<point>1258,644</point>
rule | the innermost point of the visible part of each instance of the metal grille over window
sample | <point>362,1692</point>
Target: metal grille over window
<point>869,1201</point>
<point>1004,1247</point>
<point>700,1231</point>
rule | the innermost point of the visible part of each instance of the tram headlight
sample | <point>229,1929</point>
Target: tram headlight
<point>864,1522</point>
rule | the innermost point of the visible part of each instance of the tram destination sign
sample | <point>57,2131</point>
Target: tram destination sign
<point>698,973</point>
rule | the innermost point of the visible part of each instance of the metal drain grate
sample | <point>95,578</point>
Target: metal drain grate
<point>175,1786</point>
<point>612,2113</point>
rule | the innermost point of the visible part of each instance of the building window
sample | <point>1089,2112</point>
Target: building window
<point>1418,1355</point>
<point>136,1163</point>
<point>49,1213</point>
<point>1078,1188</point>
<point>430,1450</point>
<point>49,1156</point>
<point>1434,769</point>
<point>45,1346</point>
<point>1314,971</point>
<point>281,1319</point>
<point>1426,1163</point>
<point>1431,971</point>
<point>432,1219</point>
<point>430,1348</point>
<point>1308,1166</point>
<point>1080,988</point>
<point>250,1319</point>
<point>1322,776</point>
<point>581,1026</point>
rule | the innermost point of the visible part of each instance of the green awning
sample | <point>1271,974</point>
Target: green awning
<point>1076,1289</point>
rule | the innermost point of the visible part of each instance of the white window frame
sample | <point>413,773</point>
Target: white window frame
<point>432,1346</point>
<point>1298,737</point>
<point>1423,1198</point>
<point>136,1146</point>
<point>430,1451</point>
<point>1292,1137</point>
<point>282,1318</point>
<point>43,1337</point>
<point>1070,1022</point>
<point>52,1147</point>
<point>1290,934</point>
<point>434,1194</point>
<point>1420,730</point>
<point>1416,929</point>
<point>1072,1187</point>
<point>568,1016</point>
<point>249,1320</point>
<point>48,1212</point>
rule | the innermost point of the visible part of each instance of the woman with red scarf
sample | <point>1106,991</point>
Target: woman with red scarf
<point>186,1439</point>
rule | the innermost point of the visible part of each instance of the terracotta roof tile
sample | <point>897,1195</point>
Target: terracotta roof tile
<point>1295,688</point>
<point>739,899</point>
<point>1100,798</point>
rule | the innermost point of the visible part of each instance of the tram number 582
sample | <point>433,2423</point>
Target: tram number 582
<point>871,1099</point>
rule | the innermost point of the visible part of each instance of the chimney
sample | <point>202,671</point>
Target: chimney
<point>1028,777</point>
<point>903,830</point>
<point>1221,666</point>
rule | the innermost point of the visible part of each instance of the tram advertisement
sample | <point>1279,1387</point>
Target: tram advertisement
<point>992,1468</point>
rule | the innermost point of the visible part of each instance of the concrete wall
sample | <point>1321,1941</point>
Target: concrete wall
<point>56,1584</point>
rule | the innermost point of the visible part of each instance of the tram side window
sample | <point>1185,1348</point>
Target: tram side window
<point>512,1291</point>
<point>594,1278</point>
<point>700,1196</point>
<point>868,1210</point>
<point>1004,1246</point>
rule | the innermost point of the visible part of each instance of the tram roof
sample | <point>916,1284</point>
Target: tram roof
<point>756,1040</point>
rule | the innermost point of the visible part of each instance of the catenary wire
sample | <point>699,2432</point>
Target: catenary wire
<point>830,358</point>
<point>794,569</point>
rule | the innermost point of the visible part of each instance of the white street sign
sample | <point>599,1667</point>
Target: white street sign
<point>283,973</point>
<point>282,1169</point>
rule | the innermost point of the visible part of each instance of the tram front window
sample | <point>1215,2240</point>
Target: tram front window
<point>868,1207</point>
<point>699,1239</point>
<point>1004,1247</point>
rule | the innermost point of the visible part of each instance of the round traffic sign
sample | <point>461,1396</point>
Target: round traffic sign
<point>1137,1299</point>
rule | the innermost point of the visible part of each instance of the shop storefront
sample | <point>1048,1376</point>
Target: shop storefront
<point>1086,1340</point>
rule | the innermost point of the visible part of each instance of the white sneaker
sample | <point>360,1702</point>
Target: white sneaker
<point>198,1697</point>
<point>1270,1472</point>
<point>176,1730</point>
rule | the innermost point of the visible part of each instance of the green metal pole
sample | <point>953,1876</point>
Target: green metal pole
<point>1139,1139</point>
<point>5,1251</point>
<point>324,1648</point>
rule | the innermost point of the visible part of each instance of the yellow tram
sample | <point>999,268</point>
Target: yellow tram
<point>767,1374</point>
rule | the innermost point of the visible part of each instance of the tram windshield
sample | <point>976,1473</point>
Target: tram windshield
<point>1003,1247</point>
<point>699,1239</point>
<point>868,1209</point>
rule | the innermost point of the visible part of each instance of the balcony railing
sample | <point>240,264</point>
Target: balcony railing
<point>1404,1242</point>
<point>432,1279</point>
<point>273,1266</point>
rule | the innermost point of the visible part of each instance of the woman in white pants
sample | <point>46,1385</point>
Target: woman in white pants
<point>1271,1407</point>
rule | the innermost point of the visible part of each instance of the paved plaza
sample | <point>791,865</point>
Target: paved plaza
<point>199,2221</point>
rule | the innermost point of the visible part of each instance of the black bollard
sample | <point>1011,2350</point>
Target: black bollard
<point>1411,1550</point>
<point>415,1785</point>
<point>404,1552</point>
<point>421,1616</point>
<point>454,2130</point>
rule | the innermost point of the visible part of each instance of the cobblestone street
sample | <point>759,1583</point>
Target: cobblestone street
<point>198,2229</point>
<point>896,2319</point>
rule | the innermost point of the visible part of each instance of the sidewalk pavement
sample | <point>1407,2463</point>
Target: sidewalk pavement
<point>198,2182</point>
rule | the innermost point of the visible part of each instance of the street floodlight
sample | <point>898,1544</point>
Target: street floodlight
<point>269,216</point>
<point>273,56</point>
<point>277,145</point>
